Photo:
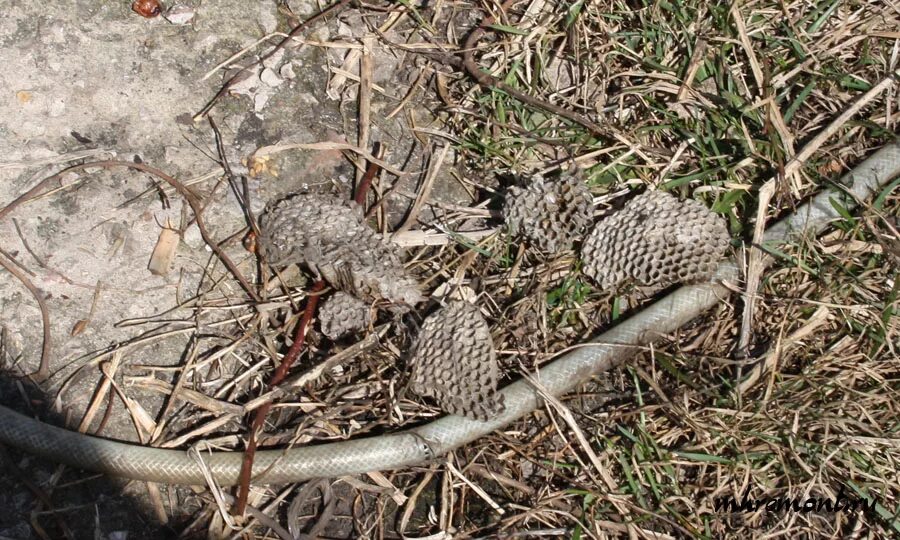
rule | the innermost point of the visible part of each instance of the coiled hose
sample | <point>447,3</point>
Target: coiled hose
<point>423,443</point>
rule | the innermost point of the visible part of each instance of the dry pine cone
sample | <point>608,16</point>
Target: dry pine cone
<point>329,236</point>
<point>550,213</point>
<point>343,314</point>
<point>655,240</point>
<point>454,362</point>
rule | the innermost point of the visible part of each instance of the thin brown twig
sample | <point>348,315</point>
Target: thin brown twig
<point>43,370</point>
<point>38,260</point>
<point>185,192</point>
<point>12,258</point>
<point>334,8</point>
<point>242,192</point>
<point>424,193</point>
<point>277,378</point>
<point>107,414</point>
<point>280,374</point>
<point>367,178</point>
<point>366,68</point>
<point>223,161</point>
<point>489,81</point>
<point>25,243</point>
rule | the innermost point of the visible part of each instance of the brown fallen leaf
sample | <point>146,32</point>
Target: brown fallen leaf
<point>164,252</point>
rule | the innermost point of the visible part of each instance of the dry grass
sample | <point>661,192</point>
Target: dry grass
<point>676,430</point>
<point>704,99</point>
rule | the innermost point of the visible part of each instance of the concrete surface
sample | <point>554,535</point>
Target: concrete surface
<point>93,80</point>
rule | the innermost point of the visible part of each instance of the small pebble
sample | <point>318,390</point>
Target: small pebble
<point>270,78</point>
<point>287,71</point>
<point>179,14</point>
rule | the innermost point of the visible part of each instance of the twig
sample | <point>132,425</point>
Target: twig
<point>409,95</point>
<point>812,146</point>
<point>425,191</point>
<point>567,415</point>
<point>754,271</point>
<point>52,160</point>
<point>298,40</point>
<point>243,194</point>
<point>294,351</point>
<point>489,81</point>
<point>411,502</point>
<point>44,368</point>
<point>81,324</point>
<point>334,8</point>
<point>13,259</point>
<point>24,240</point>
<point>101,392</point>
<point>277,378</point>
<point>38,260</point>
<point>770,359</point>
<point>476,488</point>
<point>301,379</point>
<point>748,46</point>
<point>366,69</point>
<point>264,519</point>
<point>427,238</point>
<point>266,151</point>
<point>366,182</point>
<point>697,58</point>
<point>281,371</point>
<point>188,195</point>
<point>107,414</point>
<point>198,399</point>
<point>335,360</point>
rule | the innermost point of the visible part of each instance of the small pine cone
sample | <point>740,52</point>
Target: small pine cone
<point>655,240</point>
<point>329,235</point>
<point>549,213</point>
<point>343,314</point>
<point>455,363</point>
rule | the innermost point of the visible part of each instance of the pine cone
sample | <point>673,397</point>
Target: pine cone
<point>343,314</point>
<point>455,362</point>
<point>329,236</point>
<point>550,213</point>
<point>655,239</point>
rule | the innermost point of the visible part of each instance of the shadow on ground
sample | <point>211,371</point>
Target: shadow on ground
<point>41,499</point>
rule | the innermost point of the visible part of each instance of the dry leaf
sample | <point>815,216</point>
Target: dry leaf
<point>164,252</point>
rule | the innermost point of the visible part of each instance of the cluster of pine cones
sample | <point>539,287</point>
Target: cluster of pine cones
<point>655,239</point>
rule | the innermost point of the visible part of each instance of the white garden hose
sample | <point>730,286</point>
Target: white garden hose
<point>421,444</point>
